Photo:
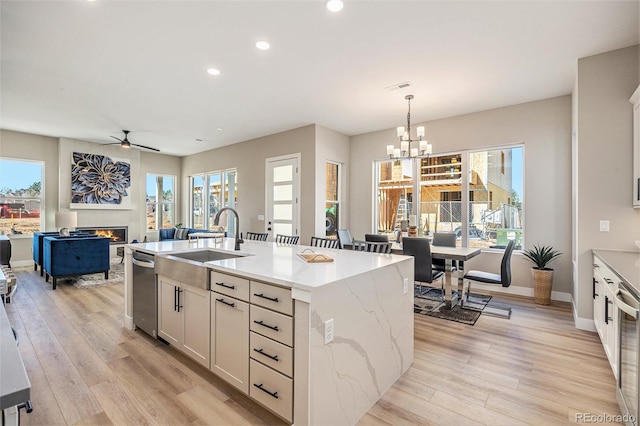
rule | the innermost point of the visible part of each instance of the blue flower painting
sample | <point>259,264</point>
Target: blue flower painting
<point>97,179</point>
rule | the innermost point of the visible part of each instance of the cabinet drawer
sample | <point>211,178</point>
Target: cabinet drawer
<point>272,297</point>
<point>271,353</point>
<point>272,389</point>
<point>230,285</point>
<point>272,324</point>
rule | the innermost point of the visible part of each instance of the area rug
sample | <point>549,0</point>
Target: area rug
<point>116,276</point>
<point>434,307</point>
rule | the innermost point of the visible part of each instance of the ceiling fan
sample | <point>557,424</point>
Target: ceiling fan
<point>126,144</point>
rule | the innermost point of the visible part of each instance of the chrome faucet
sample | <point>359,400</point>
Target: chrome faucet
<point>217,220</point>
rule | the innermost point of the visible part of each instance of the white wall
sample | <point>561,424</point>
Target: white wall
<point>249,159</point>
<point>604,175</point>
<point>330,146</point>
<point>544,127</point>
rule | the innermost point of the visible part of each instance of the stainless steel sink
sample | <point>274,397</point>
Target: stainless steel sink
<point>206,255</point>
<point>189,267</point>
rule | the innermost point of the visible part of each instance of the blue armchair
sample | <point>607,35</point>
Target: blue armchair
<point>37,246</point>
<point>70,256</point>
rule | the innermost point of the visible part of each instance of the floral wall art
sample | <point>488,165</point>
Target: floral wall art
<point>100,181</point>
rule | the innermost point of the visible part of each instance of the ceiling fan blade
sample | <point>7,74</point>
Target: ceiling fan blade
<point>146,147</point>
<point>118,139</point>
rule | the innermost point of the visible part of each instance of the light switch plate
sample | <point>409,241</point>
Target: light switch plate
<point>405,286</point>
<point>328,331</point>
<point>261,217</point>
<point>604,226</point>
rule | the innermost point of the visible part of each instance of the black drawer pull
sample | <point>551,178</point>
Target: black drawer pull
<point>261,352</point>
<point>609,280</point>
<point>274,328</point>
<point>232,287</point>
<point>273,299</point>
<point>233,305</point>
<point>273,394</point>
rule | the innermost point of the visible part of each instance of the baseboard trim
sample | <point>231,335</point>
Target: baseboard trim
<point>522,291</point>
<point>21,263</point>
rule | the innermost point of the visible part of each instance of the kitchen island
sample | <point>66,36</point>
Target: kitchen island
<point>351,324</point>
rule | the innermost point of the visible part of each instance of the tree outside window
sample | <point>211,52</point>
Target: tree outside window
<point>160,201</point>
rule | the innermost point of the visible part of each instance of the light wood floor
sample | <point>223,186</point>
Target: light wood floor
<point>85,368</point>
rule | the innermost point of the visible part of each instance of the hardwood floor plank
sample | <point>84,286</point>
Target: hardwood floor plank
<point>85,368</point>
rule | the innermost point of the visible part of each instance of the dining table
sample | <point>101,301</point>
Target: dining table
<point>449,254</point>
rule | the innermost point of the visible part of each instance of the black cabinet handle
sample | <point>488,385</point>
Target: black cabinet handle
<point>273,394</point>
<point>26,405</point>
<point>596,266</point>
<point>274,328</point>
<point>233,305</point>
<point>609,280</point>
<point>273,299</point>
<point>175,298</point>
<point>179,305</point>
<point>261,352</point>
<point>232,287</point>
<point>606,310</point>
<point>594,288</point>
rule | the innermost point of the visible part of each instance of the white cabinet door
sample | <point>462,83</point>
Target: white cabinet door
<point>635,100</point>
<point>598,304</point>
<point>611,325</point>
<point>230,340</point>
<point>168,315</point>
<point>194,310</point>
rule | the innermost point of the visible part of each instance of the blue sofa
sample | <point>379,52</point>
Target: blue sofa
<point>37,246</point>
<point>172,234</point>
<point>75,255</point>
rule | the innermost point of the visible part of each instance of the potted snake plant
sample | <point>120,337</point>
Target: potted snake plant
<point>542,275</point>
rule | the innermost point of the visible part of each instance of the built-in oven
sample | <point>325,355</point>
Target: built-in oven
<point>628,302</point>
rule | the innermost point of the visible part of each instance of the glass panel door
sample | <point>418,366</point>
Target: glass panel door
<point>282,197</point>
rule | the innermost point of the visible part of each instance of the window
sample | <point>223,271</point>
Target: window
<point>160,201</point>
<point>332,204</point>
<point>21,196</point>
<point>493,202</point>
<point>221,191</point>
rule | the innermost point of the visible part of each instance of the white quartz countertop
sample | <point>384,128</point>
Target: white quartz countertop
<point>278,263</point>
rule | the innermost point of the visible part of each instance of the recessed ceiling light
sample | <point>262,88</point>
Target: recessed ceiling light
<point>213,71</point>
<point>262,45</point>
<point>335,5</point>
<point>219,129</point>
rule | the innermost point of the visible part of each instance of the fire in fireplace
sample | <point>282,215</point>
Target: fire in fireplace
<point>117,234</point>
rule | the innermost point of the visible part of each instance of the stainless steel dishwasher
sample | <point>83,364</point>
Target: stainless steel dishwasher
<point>145,297</point>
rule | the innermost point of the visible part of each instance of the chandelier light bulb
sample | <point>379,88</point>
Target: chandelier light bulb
<point>403,133</point>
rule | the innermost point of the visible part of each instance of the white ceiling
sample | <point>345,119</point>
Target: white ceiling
<point>86,70</point>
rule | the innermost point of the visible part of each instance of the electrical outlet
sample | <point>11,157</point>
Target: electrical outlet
<point>604,226</point>
<point>405,286</point>
<point>328,331</point>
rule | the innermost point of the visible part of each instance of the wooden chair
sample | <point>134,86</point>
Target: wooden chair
<point>257,236</point>
<point>344,236</point>
<point>325,242</point>
<point>372,246</point>
<point>423,270</point>
<point>443,239</point>
<point>503,279</point>
<point>287,239</point>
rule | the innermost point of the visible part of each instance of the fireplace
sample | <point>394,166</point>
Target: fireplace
<point>117,234</point>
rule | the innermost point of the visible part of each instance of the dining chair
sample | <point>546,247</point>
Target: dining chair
<point>443,239</point>
<point>378,238</point>
<point>372,246</point>
<point>344,236</point>
<point>325,242</point>
<point>423,270</point>
<point>503,279</point>
<point>257,236</point>
<point>287,239</point>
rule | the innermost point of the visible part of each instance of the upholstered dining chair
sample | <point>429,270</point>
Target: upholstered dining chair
<point>503,279</point>
<point>378,238</point>
<point>325,242</point>
<point>257,236</point>
<point>423,270</point>
<point>372,246</point>
<point>344,236</point>
<point>287,239</point>
<point>443,239</point>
